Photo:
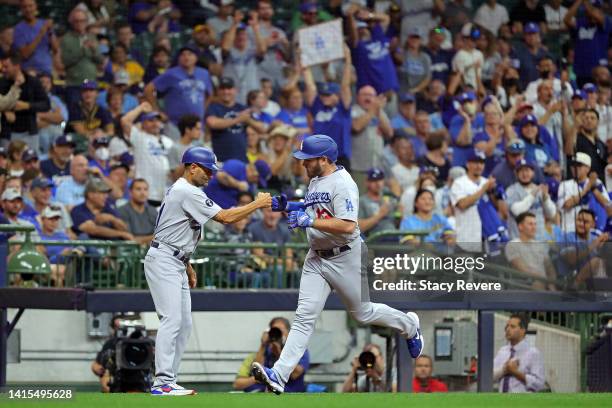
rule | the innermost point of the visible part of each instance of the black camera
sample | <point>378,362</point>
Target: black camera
<point>367,359</point>
<point>130,361</point>
<point>275,335</point>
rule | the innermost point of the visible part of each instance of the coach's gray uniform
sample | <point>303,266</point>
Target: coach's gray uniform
<point>337,196</point>
<point>184,210</point>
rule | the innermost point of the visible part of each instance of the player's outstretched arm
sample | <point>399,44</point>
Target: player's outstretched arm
<point>280,203</point>
<point>263,200</point>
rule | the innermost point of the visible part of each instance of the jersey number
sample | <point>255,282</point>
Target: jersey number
<point>161,209</point>
<point>323,214</point>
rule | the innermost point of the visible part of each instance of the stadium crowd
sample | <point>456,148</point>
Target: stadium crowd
<point>477,121</point>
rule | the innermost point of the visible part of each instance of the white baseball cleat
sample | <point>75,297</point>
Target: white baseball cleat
<point>171,390</point>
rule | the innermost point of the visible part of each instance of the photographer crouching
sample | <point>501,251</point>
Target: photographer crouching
<point>272,343</point>
<point>367,372</point>
<point>125,363</point>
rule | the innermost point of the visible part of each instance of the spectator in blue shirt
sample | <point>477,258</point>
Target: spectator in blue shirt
<point>257,101</point>
<point>57,166</point>
<point>34,39</point>
<point>464,126</point>
<point>530,53</point>
<point>441,60</point>
<point>592,32</point>
<point>424,219</point>
<point>235,177</point>
<point>404,120</point>
<point>184,87</point>
<point>50,123</point>
<point>331,109</point>
<point>95,218</point>
<point>227,121</point>
<point>121,81</point>
<point>71,191</point>
<point>535,150</point>
<point>295,114</point>
<point>51,218</point>
<point>370,47</point>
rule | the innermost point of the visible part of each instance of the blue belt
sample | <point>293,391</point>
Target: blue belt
<point>177,253</point>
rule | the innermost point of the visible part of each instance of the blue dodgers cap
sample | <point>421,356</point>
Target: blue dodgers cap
<point>329,88</point>
<point>89,84</point>
<point>516,146</point>
<point>531,28</point>
<point>466,97</point>
<point>407,98</point>
<point>317,146</point>
<point>150,116</point>
<point>308,6</point>
<point>375,174</point>
<point>524,163</point>
<point>41,182</point>
<point>476,155</point>
<point>589,88</point>
<point>529,119</point>
<point>580,94</point>
<point>264,171</point>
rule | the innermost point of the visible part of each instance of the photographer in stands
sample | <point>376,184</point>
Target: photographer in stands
<point>272,342</point>
<point>368,371</point>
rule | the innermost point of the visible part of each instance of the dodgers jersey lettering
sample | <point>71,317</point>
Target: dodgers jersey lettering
<point>333,196</point>
<point>184,210</point>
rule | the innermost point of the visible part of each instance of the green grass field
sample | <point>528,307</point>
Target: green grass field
<point>222,400</point>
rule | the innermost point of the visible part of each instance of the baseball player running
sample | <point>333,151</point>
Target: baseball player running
<point>337,259</point>
<point>184,210</point>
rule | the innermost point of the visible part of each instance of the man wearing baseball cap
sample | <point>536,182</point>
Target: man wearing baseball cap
<point>376,210</point>
<point>466,192</point>
<point>185,87</point>
<point>151,149</point>
<point>464,126</point>
<point>99,155</point>
<point>58,163</point>
<point>227,121</point>
<point>12,207</point>
<point>525,195</point>
<point>529,53</point>
<point>95,218</point>
<point>86,118</point>
<point>51,219</point>
<point>582,190</point>
<point>468,62</point>
<point>505,172</point>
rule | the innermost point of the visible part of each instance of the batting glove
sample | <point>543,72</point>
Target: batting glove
<point>299,219</point>
<point>279,203</point>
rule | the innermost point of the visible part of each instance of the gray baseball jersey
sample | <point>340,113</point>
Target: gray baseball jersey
<point>184,210</point>
<point>332,196</point>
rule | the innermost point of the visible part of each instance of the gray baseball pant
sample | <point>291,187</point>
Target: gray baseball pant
<point>347,274</point>
<point>167,280</point>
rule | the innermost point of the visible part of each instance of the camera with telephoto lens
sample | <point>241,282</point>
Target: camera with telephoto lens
<point>367,359</point>
<point>130,361</point>
<point>275,335</point>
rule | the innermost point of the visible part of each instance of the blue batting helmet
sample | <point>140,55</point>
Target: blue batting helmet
<point>317,146</point>
<point>202,156</point>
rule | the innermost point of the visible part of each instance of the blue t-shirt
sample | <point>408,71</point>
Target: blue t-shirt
<point>70,193</point>
<point>528,71</point>
<point>498,153</point>
<point>183,93</point>
<point>537,153</point>
<point>400,122</point>
<point>54,251</point>
<point>262,117</point>
<point>460,153</point>
<point>24,34</point>
<point>373,63</point>
<point>334,122</point>
<point>82,213</point>
<point>441,64</point>
<point>229,143</point>
<point>105,169</point>
<point>437,225</point>
<point>591,45</point>
<point>297,119</point>
<point>227,197</point>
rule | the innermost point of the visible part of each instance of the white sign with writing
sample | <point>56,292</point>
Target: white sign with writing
<point>321,43</point>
